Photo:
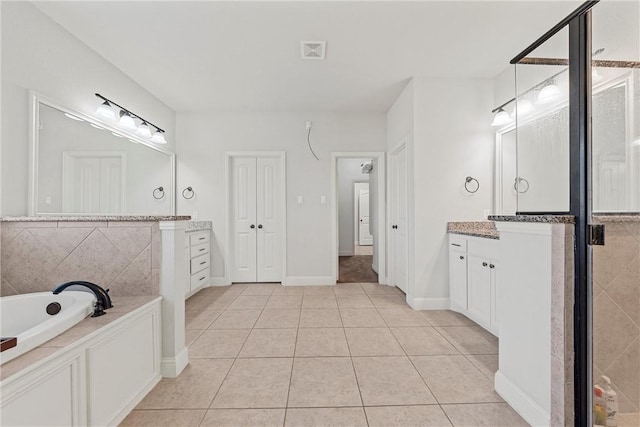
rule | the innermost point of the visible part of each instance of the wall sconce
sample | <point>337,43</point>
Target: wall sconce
<point>127,121</point>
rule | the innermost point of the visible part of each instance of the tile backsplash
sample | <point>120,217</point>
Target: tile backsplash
<point>123,256</point>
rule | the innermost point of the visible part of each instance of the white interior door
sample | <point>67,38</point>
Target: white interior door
<point>243,200</point>
<point>399,223</point>
<point>364,233</point>
<point>256,194</point>
<point>93,183</point>
<point>269,262</point>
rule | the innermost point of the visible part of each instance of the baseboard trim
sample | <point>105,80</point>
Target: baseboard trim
<point>346,253</point>
<point>309,281</point>
<point>428,303</point>
<point>171,367</point>
<point>528,409</point>
<point>374,268</point>
<point>134,402</point>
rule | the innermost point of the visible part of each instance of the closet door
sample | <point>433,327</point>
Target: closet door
<point>399,223</point>
<point>243,199</point>
<point>268,220</point>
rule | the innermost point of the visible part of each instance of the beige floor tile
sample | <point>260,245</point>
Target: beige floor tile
<point>628,420</point>
<point>319,301</point>
<point>403,316</point>
<point>164,418</point>
<point>270,343</point>
<point>361,318</point>
<point>255,383</point>
<point>390,381</point>
<point>487,363</point>
<point>260,289</point>
<point>423,341</point>
<point>453,379</point>
<point>315,342</point>
<point>243,418</point>
<point>193,389</point>
<point>402,416</point>
<point>284,301</point>
<point>372,342</point>
<point>288,290</point>
<point>470,339</point>
<point>349,289</point>
<point>320,318</point>
<point>200,319</point>
<point>388,301</point>
<point>219,343</point>
<point>447,318</point>
<point>323,382</point>
<point>191,335</point>
<point>485,414</point>
<point>244,302</point>
<point>236,319</point>
<point>279,318</point>
<point>376,289</point>
<point>329,417</point>
<point>319,290</point>
<point>354,301</point>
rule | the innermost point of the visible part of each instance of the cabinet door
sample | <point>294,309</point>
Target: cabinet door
<point>479,288</point>
<point>495,309</point>
<point>458,279</point>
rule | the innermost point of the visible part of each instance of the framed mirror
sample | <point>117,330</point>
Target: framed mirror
<point>80,165</point>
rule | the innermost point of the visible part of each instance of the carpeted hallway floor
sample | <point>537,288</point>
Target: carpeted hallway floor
<point>357,269</point>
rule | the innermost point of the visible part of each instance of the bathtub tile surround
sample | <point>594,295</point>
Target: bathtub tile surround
<point>240,383</point>
<point>616,308</point>
<point>119,253</point>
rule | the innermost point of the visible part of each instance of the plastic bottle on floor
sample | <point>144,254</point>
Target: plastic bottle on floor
<point>611,399</point>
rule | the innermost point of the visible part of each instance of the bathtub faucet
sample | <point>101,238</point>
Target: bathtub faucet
<point>102,295</point>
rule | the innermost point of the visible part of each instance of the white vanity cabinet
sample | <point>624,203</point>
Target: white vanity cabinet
<point>473,279</point>
<point>198,253</point>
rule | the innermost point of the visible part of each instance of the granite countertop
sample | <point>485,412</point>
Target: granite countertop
<point>550,219</point>
<point>485,229</point>
<point>81,330</point>
<point>617,217</point>
<point>86,218</point>
<point>199,225</point>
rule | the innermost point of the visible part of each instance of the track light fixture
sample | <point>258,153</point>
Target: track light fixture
<point>127,121</point>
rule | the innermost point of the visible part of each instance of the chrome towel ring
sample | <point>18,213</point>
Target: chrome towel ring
<point>158,193</point>
<point>468,183</point>
<point>188,193</point>
<point>517,182</point>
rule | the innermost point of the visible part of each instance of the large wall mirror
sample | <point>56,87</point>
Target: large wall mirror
<point>83,166</point>
<point>532,158</point>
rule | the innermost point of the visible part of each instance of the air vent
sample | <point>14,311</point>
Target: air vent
<point>313,50</point>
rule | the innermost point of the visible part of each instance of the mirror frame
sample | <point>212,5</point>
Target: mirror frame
<point>35,99</point>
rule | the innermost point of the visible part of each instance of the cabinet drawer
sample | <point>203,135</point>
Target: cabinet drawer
<point>458,242</point>
<point>199,238</point>
<point>200,263</point>
<point>200,279</point>
<point>199,250</point>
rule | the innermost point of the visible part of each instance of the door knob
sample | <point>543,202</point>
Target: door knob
<point>259,225</point>
<point>484,264</point>
<point>492,266</point>
<point>461,257</point>
<point>361,220</point>
<point>252,226</point>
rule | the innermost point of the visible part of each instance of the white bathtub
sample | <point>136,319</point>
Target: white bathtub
<point>25,317</point>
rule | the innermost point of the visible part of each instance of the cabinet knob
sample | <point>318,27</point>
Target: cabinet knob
<point>492,266</point>
<point>484,264</point>
<point>461,257</point>
<point>252,226</point>
<point>259,225</point>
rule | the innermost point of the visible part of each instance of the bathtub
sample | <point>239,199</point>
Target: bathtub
<point>25,317</point>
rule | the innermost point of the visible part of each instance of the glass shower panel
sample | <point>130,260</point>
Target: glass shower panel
<point>542,128</point>
<point>615,184</point>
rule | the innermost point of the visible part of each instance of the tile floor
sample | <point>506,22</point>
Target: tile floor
<point>349,355</point>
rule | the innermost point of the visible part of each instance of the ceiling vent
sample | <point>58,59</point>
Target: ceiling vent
<point>313,50</point>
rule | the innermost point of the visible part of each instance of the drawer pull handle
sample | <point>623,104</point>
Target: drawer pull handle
<point>455,244</point>
<point>461,257</point>
<point>204,262</point>
<point>484,264</point>
<point>201,249</point>
<point>203,277</point>
<point>201,238</point>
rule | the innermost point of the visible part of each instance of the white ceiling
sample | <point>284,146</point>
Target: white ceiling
<point>238,55</point>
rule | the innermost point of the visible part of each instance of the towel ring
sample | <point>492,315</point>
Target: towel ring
<point>188,190</point>
<point>516,185</point>
<point>468,180</point>
<point>158,193</point>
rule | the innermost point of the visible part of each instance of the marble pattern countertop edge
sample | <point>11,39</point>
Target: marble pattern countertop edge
<point>89,218</point>
<point>550,219</point>
<point>199,225</point>
<point>485,229</point>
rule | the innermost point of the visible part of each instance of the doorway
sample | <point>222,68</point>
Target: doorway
<point>256,236</point>
<point>358,199</point>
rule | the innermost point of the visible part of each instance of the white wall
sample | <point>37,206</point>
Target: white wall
<point>349,171</point>
<point>452,139</point>
<point>203,139</point>
<point>40,55</point>
<point>374,192</point>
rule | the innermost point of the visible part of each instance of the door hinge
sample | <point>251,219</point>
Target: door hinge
<point>595,234</point>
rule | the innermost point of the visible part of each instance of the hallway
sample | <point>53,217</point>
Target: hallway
<point>353,355</point>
